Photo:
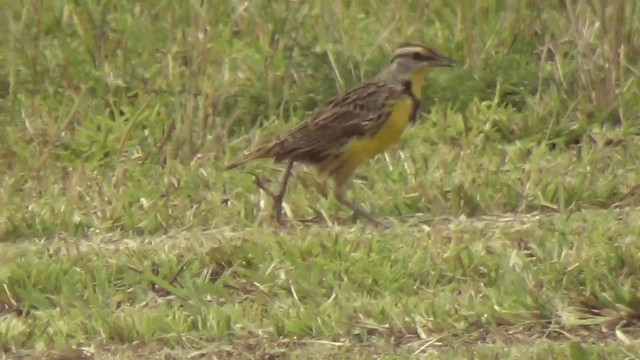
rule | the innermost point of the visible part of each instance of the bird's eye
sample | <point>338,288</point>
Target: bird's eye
<point>416,56</point>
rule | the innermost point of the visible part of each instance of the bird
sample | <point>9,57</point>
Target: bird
<point>354,126</point>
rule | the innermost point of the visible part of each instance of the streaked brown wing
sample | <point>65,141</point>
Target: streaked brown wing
<point>313,142</point>
<point>358,112</point>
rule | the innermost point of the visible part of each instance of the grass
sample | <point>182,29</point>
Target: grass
<point>513,202</point>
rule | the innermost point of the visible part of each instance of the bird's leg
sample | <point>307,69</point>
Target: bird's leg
<point>340,194</point>
<point>279,196</point>
<point>322,188</point>
<point>262,186</point>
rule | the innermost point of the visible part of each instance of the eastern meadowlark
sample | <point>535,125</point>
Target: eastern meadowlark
<point>354,126</point>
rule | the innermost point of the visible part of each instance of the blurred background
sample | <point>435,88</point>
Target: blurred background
<point>119,115</point>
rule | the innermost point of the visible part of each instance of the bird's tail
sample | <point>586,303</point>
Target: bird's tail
<point>260,153</point>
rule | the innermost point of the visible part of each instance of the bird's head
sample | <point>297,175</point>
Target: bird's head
<point>410,59</point>
<point>411,62</point>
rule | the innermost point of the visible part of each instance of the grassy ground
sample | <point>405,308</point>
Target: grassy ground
<point>513,202</point>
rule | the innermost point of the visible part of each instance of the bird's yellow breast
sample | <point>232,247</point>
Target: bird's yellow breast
<point>365,148</point>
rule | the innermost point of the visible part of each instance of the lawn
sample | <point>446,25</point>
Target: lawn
<point>513,203</point>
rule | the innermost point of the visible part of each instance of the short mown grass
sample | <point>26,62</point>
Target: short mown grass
<point>512,203</point>
<point>538,285</point>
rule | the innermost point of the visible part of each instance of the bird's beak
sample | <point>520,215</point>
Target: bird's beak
<point>442,61</point>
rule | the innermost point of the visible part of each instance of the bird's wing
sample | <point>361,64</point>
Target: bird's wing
<point>358,112</point>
